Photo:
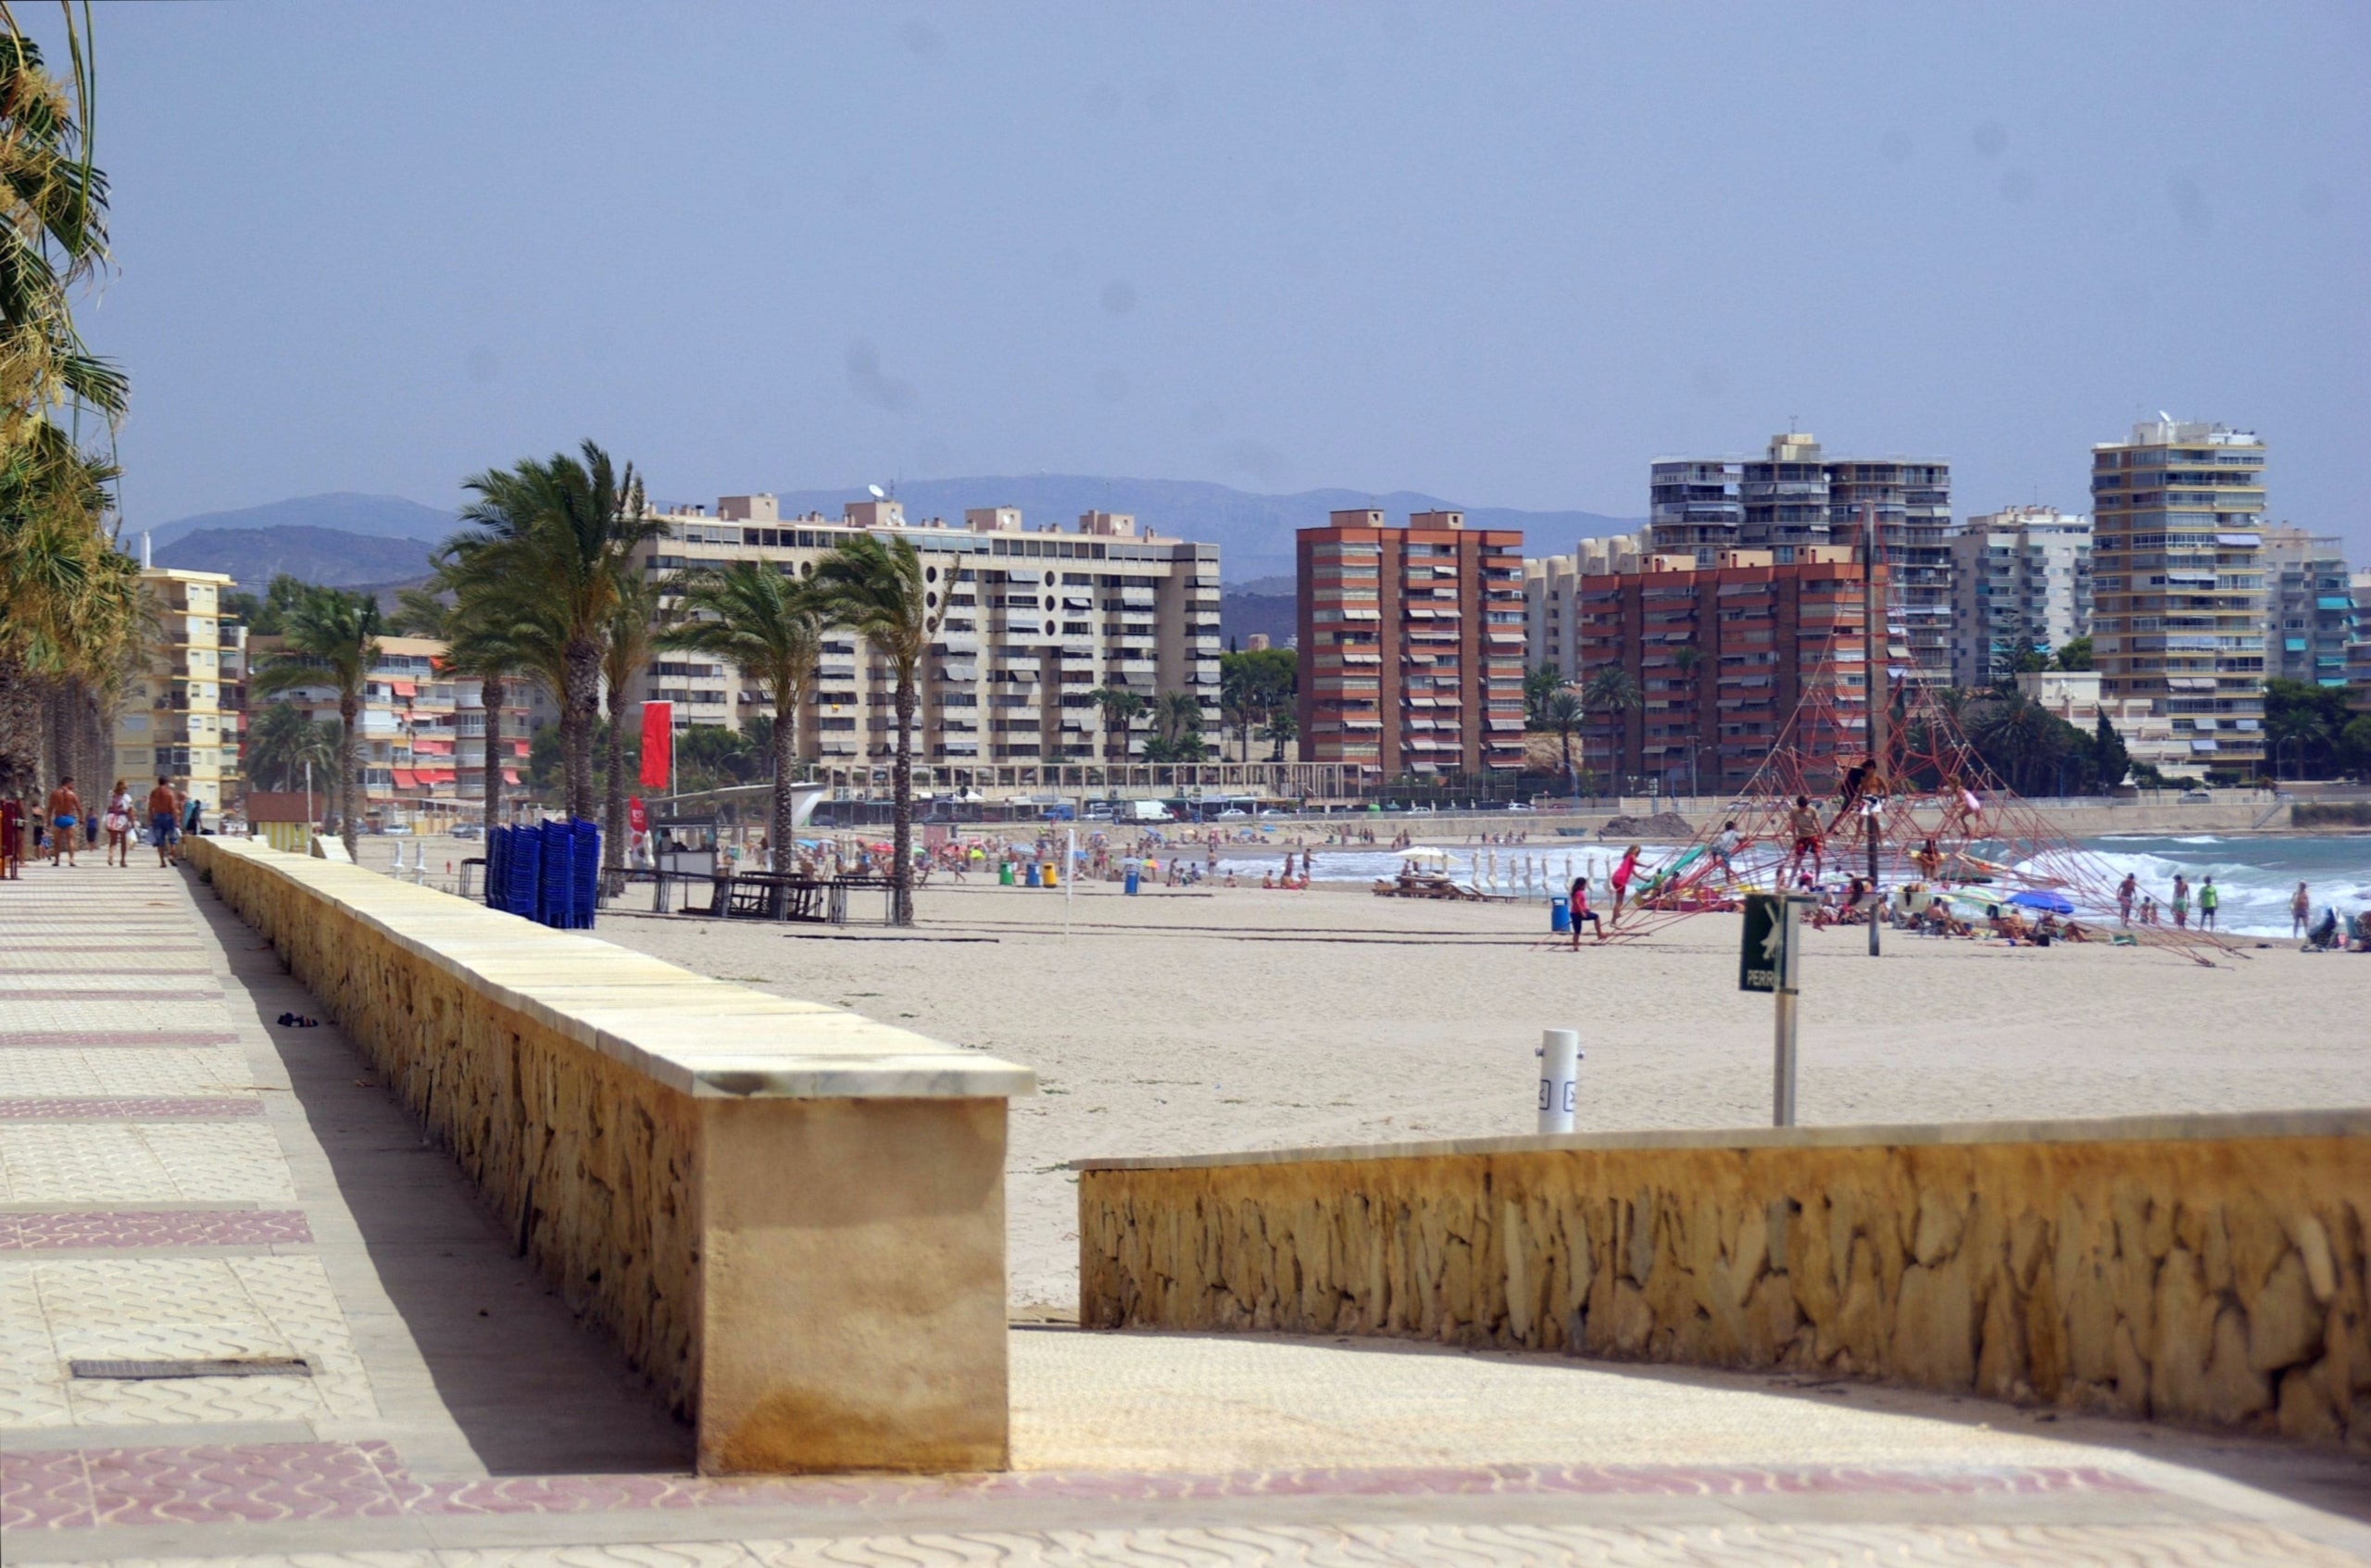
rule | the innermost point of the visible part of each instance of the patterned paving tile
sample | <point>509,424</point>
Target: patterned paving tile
<point>101,1163</point>
<point>117,1070</point>
<point>182,1308</point>
<point>83,1039</point>
<point>92,1230</point>
<point>102,994</point>
<point>146,1014</point>
<point>127,1109</point>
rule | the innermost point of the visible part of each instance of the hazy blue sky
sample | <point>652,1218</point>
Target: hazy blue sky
<point>1505,253</point>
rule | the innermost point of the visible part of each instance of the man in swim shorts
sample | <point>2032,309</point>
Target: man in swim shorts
<point>164,820</point>
<point>65,819</point>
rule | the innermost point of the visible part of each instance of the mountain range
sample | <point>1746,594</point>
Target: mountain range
<point>348,540</point>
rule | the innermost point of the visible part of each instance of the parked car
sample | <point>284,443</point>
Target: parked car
<point>2197,796</point>
<point>468,829</point>
<point>1521,806</point>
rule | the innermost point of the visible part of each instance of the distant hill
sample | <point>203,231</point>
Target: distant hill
<point>1275,615</point>
<point>316,555</point>
<point>1254,533</point>
<point>378,516</point>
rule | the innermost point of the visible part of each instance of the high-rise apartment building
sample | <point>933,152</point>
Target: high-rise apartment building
<point>1412,645</point>
<point>1795,494</point>
<point>2177,583</point>
<point>1552,587</point>
<point>2309,607</point>
<point>1725,659</point>
<point>172,721</point>
<point>2358,652</point>
<point>1036,619</point>
<point>2021,583</point>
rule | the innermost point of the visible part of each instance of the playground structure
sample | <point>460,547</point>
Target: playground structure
<point>1924,817</point>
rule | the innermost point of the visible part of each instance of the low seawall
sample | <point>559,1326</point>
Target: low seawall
<point>789,1216</point>
<point>2205,1270</point>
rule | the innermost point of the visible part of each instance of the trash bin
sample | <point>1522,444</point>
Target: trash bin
<point>1130,886</point>
<point>1052,877</point>
<point>1004,874</point>
<point>1560,915</point>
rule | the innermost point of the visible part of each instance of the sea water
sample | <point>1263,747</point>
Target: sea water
<point>2256,876</point>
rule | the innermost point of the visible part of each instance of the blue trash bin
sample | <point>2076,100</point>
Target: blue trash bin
<point>1559,916</point>
<point>1130,886</point>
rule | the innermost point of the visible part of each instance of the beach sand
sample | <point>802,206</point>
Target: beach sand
<point>1182,1023</point>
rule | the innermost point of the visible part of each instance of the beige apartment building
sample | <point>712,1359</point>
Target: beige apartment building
<point>2177,583</point>
<point>173,720</point>
<point>1036,619</point>
<point>1551,597</point>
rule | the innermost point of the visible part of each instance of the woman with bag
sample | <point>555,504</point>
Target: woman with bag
<point>118,822</point>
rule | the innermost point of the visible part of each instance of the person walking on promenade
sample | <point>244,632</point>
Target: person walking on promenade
<point>2301,912</point>
<point>2209,900</point>
<point>164,820</point>
<point>2127,890</point>
<point>65,816</point>
<point>119,824</point>
<point>2181,900</point>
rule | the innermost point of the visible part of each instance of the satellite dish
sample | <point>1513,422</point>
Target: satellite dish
<point>2164,415</point>
<point>878,493</point>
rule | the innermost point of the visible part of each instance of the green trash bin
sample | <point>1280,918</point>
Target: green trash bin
<point>1004,874</point>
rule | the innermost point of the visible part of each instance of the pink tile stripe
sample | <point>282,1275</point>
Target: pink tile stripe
<point>127,1108</point>
<point>184,970</point>
<point>96,1228</point>
<point>127,994</point>
<point>84,1039</point>
<point>79,1488</point>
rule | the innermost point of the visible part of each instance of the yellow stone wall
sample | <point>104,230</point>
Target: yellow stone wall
<point>2215,1280</point>
<point>790,1216</point>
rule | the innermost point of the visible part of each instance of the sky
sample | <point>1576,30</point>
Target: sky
<point>1505,253</point>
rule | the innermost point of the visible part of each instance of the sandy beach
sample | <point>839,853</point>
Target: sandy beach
<point>1176,1022</point>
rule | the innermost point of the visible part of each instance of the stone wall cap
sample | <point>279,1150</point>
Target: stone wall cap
<point>2341,1124</point>
<point>709,1038</point>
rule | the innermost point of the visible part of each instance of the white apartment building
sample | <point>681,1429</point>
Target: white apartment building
<point>2021,583</point>
<point>174,721</point>
<point>1036,619</point>
<point>2148,735</point>
<point>1552,587</point>
<point>2309,605</point>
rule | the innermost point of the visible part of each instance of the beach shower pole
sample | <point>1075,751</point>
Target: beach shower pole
<point>1782,1097</point>
<point>1070,875</point>
<point>1877,687</point>
<point>1560,1071</point>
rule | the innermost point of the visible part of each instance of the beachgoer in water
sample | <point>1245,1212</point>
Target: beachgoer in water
<point>2301,911</point>
<point>2181,900</point>
<point>2148,909</point>
<point>2209,900</point>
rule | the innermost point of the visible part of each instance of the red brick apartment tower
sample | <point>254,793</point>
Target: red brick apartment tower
<point>1723,657</point>
<point>1412,644</point>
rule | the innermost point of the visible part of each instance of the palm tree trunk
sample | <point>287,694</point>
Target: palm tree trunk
<point>19,728</point>
<point>580,715</point>
<point>785,758</point>
<point>349,771</point>
<point>492,695</point>
<point>901,795</point>
<point>613,800</point>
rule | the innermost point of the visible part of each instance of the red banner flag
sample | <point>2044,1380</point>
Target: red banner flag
<point>657,744</point>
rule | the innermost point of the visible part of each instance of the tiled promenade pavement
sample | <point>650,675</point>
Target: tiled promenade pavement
<point>182,1180</point>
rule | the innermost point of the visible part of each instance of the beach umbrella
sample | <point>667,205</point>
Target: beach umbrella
<point>2042,898</point>
<point>1432,855</point>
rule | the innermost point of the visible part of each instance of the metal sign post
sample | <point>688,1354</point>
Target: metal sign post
<point>1769,959</point>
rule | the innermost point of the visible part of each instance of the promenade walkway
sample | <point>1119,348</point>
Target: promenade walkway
<point>182,1180</point>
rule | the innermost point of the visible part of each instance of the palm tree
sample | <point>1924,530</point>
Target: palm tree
<point>552,540</point>
<point>2010,733</point>
<point>877,590</point>
<point>481,641</point>
<point>280,741</point>
<point>1563,712</point>
<point>1121,708</point>
<point>769,627</point>
<point>332,639</point>
<point>1610,693</point>
<point>632,631</point>
<point>1281,726</point>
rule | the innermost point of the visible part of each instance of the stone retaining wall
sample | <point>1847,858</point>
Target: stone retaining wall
<point>790,1217</point>
<point>2205,1270</point>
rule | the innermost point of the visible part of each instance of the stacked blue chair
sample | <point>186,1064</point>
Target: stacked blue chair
<point>498,859</point>
<point>584,882</point>
<point>552,887</point>
<point>521,874</point>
